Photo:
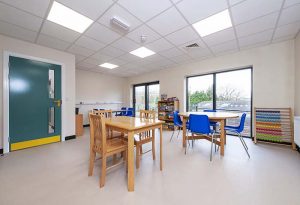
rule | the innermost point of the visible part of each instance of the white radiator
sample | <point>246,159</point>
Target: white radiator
<point>297,130</point>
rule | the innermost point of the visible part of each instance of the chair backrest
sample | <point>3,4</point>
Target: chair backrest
<point>199,124</point>
<point>103,113</point>
<point>207,110</point>
<point>242,123</point>
<point>147,114</point>
<point>129,112</point>
<point>123,110</point>
<point>97,133</point>
<point>177,120</point>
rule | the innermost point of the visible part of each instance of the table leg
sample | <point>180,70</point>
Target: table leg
<point>130,162</point>
<point>222,137</point>
<point>183,132</point>
<point>161,149</point>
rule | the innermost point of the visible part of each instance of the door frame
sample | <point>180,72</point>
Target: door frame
<point>5,106</point>
<point>146,93</point>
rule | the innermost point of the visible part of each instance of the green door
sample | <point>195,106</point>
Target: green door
<point>34,103</point>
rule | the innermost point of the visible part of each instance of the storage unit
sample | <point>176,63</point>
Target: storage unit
<point>79,125</point>
<point>165,112</point>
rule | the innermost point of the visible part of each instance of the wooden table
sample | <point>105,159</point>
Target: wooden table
<point>131,126</point>
<point>213,116</point>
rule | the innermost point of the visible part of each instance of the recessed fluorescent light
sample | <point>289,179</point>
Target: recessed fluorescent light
<point>142,52</point>
<point>213,24</point>
<point>108,65</point>
<point>69,18</point>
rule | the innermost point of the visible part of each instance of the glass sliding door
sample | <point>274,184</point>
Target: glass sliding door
<point>145,96</point>
<point>229,91</point>
<point>200,93</point>
<point>233,94</point>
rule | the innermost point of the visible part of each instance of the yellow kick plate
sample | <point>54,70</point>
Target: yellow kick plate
<point>33,143</point>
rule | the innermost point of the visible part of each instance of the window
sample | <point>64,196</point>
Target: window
<point>229,91</point>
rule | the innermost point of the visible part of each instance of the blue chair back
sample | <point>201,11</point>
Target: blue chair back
<point>129,112</point>
<point>199,124</point>
<point>177,120</point>
<point>209,111</point>
<point>123,111</point>
<point>242,123</point>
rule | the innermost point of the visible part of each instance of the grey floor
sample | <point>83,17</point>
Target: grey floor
<point>57,174</point>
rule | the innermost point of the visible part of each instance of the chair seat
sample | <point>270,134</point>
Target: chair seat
<point>231,128</point>
<point>113,145</point>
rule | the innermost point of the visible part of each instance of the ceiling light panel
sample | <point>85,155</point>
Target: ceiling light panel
<point>108,65</point>
<point>213,24</point>
<point>142,52</point>
<point>68,18</point>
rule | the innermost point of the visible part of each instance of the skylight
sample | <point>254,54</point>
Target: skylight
<point>213,24</point>
<point>68,18</point>
<point>108,65</point>
<point>142,52</point>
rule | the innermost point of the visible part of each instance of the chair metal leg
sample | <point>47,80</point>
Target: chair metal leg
<point>178,132</point>
<point>211,147</point>
<point>245,143</point>
<point>172,134</point>
<point>245,146</point>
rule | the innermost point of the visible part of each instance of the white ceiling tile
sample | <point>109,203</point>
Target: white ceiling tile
<point>85,65</point>
<point>125,44</point>
<point>198,53</point>
<point>155,58</point>
<point>290,15</point>
<point>17,32</point>
<point>260,44</point>
<point>257,25</point>
<point>283,38</point>
<point>145,9</point>
<point>36,7</point>
<point>219,37</point>
<point>102,33</point>
<point>90,8</point>
<point>20,18</point>
<point>196,10</point>
<point>173,52</point>
<point>129,57</point>
<point>287,30</point>
<point>199,42</point>
<point>122,14</point>
<point>52,42</point>
<point>162,25</point>
<point>111,51</point>
<point>252,9</point>
<point>291,2</point>
<point>60,32</point>
<point>233,2</point>
<point>118,61</point>
<point>159,45</point>
<point>143,30</point>
<point>256,38</point>
<point>175,1</point>
<point>89,43</point>
<point>225,47</point>
<point>93,61</point>
<point>79,58</point>
<point>80,50</point>
<point>182,59</point>
<point>182,36</point>
<point>100,56</point>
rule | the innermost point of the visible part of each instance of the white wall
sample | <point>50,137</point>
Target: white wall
<point>94,87</point>
<point>297,75</point>
<point>29,49</point>
<point>273,74</point>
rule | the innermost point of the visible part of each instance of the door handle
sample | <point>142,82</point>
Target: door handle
<point>57,102</point>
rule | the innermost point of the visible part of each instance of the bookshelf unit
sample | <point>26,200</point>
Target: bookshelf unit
<point>165,112</point>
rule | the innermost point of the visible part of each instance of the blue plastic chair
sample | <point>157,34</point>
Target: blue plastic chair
<point>129,112</point>
<point>213,124</point>
<point>199,124</point>
<point>177,123</point>
<point>122,113</point>
<point>238,130</point>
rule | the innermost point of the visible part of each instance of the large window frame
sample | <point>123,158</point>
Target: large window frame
<point>215,91</point>
<point>146,93</point>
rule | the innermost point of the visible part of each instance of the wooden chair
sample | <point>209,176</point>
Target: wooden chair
<point>145,137</point>
<point>103,146</point>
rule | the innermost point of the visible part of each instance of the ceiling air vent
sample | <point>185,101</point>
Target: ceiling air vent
<point>194,45</point>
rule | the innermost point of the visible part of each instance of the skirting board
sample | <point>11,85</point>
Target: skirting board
<point>70,137</point>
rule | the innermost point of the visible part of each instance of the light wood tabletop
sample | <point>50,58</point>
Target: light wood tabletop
<point>213,116</point>
<point>131,126</point>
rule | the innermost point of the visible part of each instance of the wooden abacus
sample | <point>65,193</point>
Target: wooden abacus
<point>274,125</point>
